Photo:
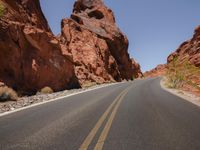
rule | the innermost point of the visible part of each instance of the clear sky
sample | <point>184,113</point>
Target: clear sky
<point>155,28</point>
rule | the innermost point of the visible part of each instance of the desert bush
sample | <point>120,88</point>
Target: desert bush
<point>46,90</point>
<point>89,84</point>
<point>181,73</point>
<point>7,93</point>
<point>175,80</point>
<point>2,9</point>
<point>132,78</point>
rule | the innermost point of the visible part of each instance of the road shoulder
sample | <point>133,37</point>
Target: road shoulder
<point>32,101</point>
<point>180,93</point>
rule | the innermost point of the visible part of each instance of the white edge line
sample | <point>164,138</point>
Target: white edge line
<point>58,98</point>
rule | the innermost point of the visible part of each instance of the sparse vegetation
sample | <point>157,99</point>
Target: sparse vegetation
<point>7,94</point>
<point>46,90</point>
<point>89,84</point>
<point>182,73</point>
<point>132,78</point>
<point>2,9</point>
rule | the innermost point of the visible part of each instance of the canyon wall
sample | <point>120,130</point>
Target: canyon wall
<point>137,73</point>
<point>30,56</point>
<point>159,70</point>
<point>187,51</point>
<point>91,48</point>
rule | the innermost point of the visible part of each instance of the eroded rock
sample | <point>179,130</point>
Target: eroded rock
<point>160,70</point>
<point>99,48</point>
<point>30,56</point>
<point>137,69</point>
<point>90,49</point>
<point>189,50</point>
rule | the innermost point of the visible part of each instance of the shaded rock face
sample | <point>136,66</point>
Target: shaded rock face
<point>98,46</point>
<point>30,56</point>
<point>137,69</point>
<point>160,70</point>
<point>188,50</point>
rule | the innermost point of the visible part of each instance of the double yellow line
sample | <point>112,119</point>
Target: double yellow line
<point>116,103</point>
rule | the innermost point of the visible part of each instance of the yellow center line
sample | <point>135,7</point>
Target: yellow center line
<point>103,136</point>
<point>91,135</point>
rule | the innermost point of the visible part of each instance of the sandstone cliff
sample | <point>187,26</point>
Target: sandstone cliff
<point>30,56</point>
<point>90,48</point>
<point>160,70</point>
<point>182,70</point>
<point>99,48</point>
<point>187,51</point>
<point>137,69</point>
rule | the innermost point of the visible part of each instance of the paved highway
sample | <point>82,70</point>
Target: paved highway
<point>136,115</point>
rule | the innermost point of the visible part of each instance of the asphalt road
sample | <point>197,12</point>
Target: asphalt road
<point>137,115</point>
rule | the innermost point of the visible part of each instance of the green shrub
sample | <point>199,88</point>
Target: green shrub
<point>7,93</point>
<point>132,78</point>
<point>46,90</point>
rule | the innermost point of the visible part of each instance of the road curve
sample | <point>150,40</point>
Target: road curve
<point>136,115</point>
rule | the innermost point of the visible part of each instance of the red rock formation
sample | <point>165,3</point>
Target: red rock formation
<point>98,46</point>
<point>2,84</point>
<point>30,56</point>
<point>188,50</point>
<point>137,69</point>
<point>160,70</point>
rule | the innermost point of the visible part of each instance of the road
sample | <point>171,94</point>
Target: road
<point>136,115</point>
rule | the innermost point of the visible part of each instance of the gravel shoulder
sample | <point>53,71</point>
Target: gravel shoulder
<point>183,94</point>
<point>28,101</point>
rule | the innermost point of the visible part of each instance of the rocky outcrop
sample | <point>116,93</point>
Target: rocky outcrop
<point>189,50</point>
<point>137,69</point>
<point>184,64</point>
<point>91,48</point>
<point>30,56</point>
<point>160,70</point>
<point>98,46</point>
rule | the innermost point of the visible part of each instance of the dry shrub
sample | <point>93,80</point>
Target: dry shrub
<point>7,93</point>
<point>46,90</point>
<point>182,73</point>
<point>88,84</point>
<point>2,9</point>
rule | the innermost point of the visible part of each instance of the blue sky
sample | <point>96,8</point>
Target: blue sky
<point>155,28</point>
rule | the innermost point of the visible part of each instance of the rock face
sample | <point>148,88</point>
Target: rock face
<point>98,46</point>
<point>137,69</point>
<point>91,48</point>
<point>30,56</point>
<point>188,50</point>
<point>160,70</point>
